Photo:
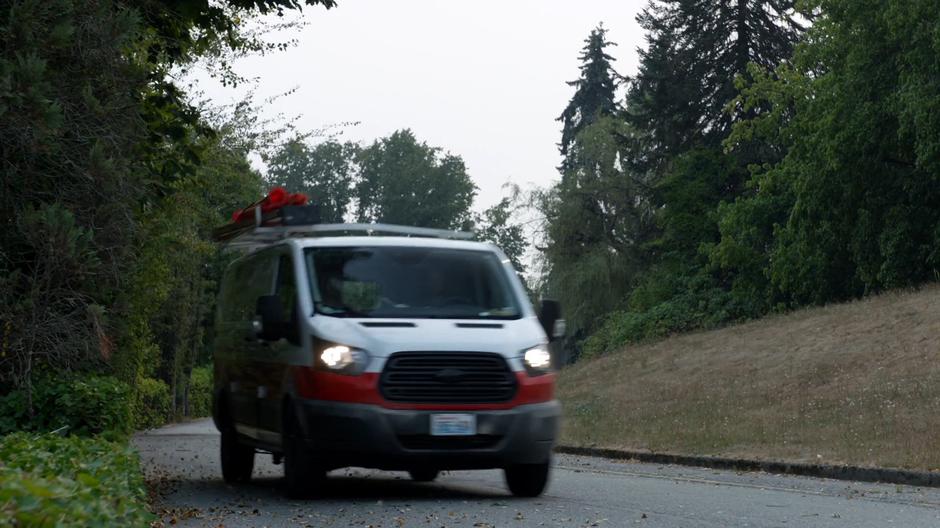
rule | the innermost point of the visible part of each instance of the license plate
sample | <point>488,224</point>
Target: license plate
<point>453,424</point>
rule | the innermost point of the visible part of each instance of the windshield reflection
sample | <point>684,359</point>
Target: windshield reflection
<point>410,282</point>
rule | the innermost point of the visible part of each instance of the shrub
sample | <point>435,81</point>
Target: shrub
<point>86,405</point>
<point>200,392</point>
<point>692,310</point>
<point>152,405</point>
<point>70,481</point>
<point>13,412</point>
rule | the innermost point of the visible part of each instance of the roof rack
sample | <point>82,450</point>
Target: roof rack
<point>263,236</point>
<point>303,222</point>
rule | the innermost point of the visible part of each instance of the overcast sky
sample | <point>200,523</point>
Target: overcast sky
<point>483,79</point>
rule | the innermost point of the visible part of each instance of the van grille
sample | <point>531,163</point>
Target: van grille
<point>447,377</point>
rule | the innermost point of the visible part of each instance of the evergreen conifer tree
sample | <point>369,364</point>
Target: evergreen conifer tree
<point>595,93</point>
<point>696,49</point>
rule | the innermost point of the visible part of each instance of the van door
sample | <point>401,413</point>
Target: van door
<point>273,363</point>
<point>255,278</point>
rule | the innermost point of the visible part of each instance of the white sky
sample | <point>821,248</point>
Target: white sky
<point>483,79</point>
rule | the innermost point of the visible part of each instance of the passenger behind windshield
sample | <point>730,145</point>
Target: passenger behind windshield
<point>410,282</point>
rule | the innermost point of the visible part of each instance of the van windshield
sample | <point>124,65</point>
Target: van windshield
<point>410,282</point>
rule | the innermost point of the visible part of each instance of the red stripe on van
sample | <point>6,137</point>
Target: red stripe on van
<point>319,385</point>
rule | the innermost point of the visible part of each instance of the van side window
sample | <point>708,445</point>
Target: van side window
<point>286,286</point>
<point>225,310</point>
<point>249,279</point>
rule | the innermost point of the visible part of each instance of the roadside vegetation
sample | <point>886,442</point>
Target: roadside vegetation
<point>788,159</point>
<point>113,175</point>
<point>855,383</point>
<point>49,480</point>
<point>111,179</point>
<point>112,184</point>
<point>767,155</point>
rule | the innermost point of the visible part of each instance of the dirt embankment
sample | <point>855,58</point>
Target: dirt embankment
<point>857,383</point>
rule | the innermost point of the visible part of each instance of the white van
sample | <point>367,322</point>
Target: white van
<point>416,353</point>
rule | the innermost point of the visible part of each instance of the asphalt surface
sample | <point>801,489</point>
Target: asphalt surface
<point>182,468</point>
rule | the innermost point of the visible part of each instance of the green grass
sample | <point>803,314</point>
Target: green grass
<point>857,383</point>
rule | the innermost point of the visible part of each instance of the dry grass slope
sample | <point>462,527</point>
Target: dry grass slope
<point>857,383</point>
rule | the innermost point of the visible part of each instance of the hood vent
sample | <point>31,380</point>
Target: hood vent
<point>479,325</point>
<point>380,324</point>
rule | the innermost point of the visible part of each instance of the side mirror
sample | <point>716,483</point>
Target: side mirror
<point>270,311</point>
<point>550,319</point>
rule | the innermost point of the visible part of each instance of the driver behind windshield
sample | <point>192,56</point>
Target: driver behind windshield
<point>410,282</point>
<point>440,291</point>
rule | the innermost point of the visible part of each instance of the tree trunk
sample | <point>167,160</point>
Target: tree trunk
<point>743,44</point>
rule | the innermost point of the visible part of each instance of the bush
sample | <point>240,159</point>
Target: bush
<point>152,405</point>
<point>70,481</point>
<point>200,392</point>
<point>85,405</point>
<point>691,310</point>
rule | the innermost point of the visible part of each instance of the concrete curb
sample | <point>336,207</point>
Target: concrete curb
<point>855,473</point>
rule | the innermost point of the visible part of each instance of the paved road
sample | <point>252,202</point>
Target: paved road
<point>181,464</point>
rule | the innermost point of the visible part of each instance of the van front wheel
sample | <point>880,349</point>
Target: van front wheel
<point>238,460</point>
<point>527,480</point>
<point>302,476</point>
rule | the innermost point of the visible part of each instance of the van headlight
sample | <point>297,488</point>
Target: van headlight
<point>342,359</point>
<point>537,360</point>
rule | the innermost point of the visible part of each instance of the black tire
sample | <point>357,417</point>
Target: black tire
<point>527,480</point>
<point>238,460</point>
<point>423,474</point>
<point>302,476</point>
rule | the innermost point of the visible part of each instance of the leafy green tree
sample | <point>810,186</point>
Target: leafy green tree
<point>854,206</point>
<point>96,141</point>
<point>633,222</point>
<point>325,172</point>
<point>69,137</point>
<point>596,220</point>
<point>171,296</point>
<point>695,50</point>
<point>690,192</point>
<point>181,31</point>
<point>496,225</point>
<point>595,92</point>
<point>404,181</point>
<point>681,105</point>
<point>597,215</point>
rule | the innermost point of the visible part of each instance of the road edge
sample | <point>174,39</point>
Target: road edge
<point>853,473</point>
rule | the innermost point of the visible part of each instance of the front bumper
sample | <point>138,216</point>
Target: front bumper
<point>365,435</point>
